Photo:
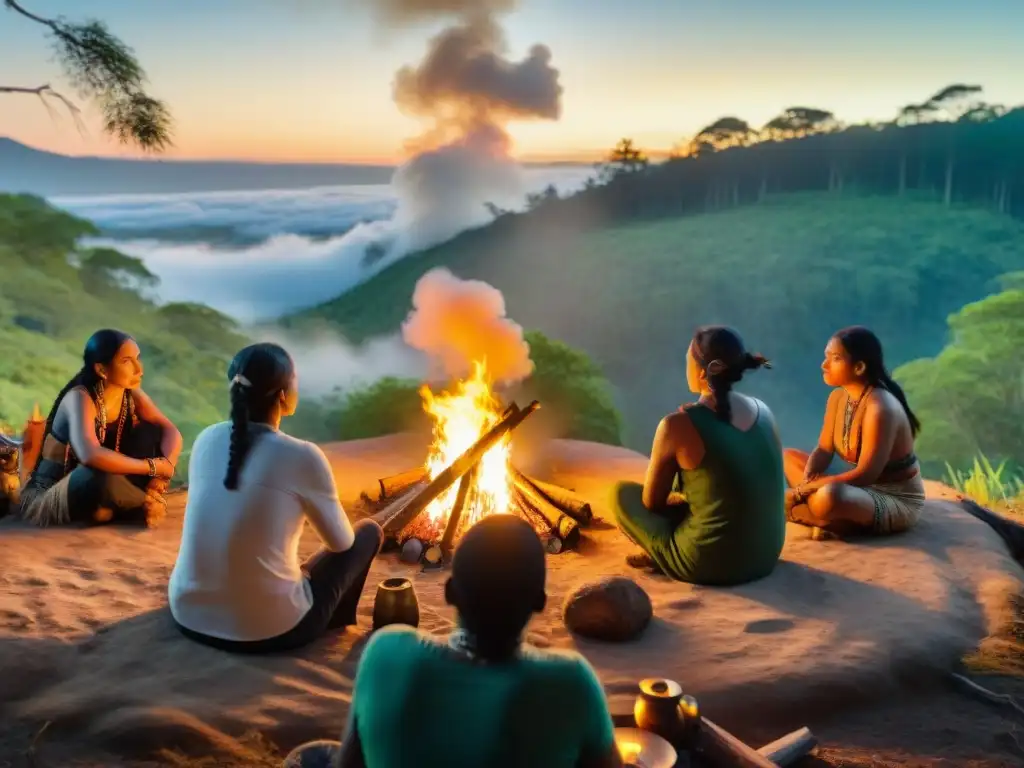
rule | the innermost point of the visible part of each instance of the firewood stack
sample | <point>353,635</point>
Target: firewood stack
<point>556,513</point>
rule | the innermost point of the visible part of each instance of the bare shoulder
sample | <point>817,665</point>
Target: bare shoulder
<point>883,402</point>
<point>676,424</point>
<point>141,397</point>
<point>78,400</point>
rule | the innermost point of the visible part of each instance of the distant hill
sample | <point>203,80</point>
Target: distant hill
<point>787,273</point>
<point>25,169</point>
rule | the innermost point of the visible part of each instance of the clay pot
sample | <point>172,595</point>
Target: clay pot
<point>396,603</point>
<point>659,708</point>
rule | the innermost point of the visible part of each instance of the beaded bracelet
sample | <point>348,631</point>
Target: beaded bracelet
<point>152,467</point>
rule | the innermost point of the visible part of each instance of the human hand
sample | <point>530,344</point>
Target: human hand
<point>164,468</point>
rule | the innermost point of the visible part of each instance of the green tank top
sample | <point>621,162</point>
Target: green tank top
<point>737,522</point>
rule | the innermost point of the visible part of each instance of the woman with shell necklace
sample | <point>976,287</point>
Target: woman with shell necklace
<point>876,487</point>
<point>107,450</point>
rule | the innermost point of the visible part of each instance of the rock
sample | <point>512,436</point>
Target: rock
<point>412,551</point>
<point>614,608</point>
<point>314,754</point>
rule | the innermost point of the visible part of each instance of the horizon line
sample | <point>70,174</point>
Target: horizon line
<point>577,157</point>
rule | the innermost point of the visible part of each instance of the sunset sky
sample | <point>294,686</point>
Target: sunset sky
<point>310,80</point>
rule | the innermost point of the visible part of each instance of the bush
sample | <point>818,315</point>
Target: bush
<point>565,380</point>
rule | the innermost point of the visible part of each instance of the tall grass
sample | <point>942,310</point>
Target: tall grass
<point>986,484</point>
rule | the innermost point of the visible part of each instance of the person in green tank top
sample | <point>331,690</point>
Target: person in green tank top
<point>480,697</point>
<point>723,453</point>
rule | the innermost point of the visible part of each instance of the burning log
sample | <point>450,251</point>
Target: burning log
<point>561,525</point>
<point>396,516</point>
<point>568,502</point>
<point>396,485</point>
<point>455,516</point>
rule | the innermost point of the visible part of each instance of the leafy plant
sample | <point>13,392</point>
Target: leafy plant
<point>986,484</point>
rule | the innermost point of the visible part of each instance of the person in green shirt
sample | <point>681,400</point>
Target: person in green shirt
<point>480,697</point>
<point>723,453</point>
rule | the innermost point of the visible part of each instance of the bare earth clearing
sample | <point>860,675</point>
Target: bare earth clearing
<point>854,639</point>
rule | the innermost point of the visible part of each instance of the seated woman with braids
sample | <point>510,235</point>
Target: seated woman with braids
<point>724,454</point>
<point>107,451</point>
<point>877,487</point>
<point>237,584</point>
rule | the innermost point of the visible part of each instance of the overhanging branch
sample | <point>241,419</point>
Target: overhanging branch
<point>17,8</point>
<point>46,92</point>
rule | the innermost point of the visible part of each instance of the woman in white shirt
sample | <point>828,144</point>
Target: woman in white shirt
<point>237,583</point>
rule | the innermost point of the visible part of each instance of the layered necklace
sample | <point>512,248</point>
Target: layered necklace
<point>852,406</point>
<point>127,409</point>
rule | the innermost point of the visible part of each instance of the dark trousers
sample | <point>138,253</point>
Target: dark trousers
<point>336,580</point>
<point>89,489</point>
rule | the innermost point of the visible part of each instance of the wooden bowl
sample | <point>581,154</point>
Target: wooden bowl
<point>644,749</point>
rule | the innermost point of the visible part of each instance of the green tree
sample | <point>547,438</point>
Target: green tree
<point>625,157</point>
<point>103,70</point>
<point>970,397</point>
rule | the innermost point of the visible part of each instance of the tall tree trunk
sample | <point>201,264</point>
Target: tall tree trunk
<point>762,191</point>
<point>903,174</point>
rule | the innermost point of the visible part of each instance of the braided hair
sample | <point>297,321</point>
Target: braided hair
<point>100,349</point>
<point>258,374</point>
<point>720,352</point>
<point>863,346</point>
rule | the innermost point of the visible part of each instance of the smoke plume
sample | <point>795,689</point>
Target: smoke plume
<point>466,91</point>
<point>456,323</point>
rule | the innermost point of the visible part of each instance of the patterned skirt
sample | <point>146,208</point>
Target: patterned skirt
<point>898,504</point>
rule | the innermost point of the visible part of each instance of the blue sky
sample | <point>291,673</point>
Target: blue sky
<point>311,79</point>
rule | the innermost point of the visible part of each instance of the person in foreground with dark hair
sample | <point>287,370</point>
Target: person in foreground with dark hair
<point>237,584</point>
<point>870,425</point>
<point>723,453</point>
<point>107,451</point>
<point>482,697</point>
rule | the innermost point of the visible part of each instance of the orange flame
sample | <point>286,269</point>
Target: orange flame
<point>460,418</point>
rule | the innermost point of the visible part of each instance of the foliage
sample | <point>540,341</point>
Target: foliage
<point>104,70</point>
<point>53,295</point>
<point>986,484</point>
<point>571,385</point>
<point>385,407</point>
<point>970,396</point>
<point>786,273</point>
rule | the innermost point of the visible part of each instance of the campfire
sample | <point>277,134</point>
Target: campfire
<point>468,474</point>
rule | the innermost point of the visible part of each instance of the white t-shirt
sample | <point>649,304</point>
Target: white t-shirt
<point>238,576</point>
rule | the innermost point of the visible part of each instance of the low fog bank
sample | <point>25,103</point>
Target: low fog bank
<point>285,271</point>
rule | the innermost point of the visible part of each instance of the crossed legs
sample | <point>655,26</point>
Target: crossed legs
<point>835,507</point>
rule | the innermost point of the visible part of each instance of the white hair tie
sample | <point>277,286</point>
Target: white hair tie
<point>241,381</point>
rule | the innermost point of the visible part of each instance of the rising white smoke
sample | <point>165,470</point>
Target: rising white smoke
<point>467,91</point>
<point>457,323</point>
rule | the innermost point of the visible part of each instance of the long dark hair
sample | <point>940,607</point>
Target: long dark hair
<point>863,346</point>
<point>258,375</point>
<point>723,356</point>
<point>100,349</point>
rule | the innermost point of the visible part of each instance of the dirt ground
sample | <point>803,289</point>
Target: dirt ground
<point>928,730</point>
